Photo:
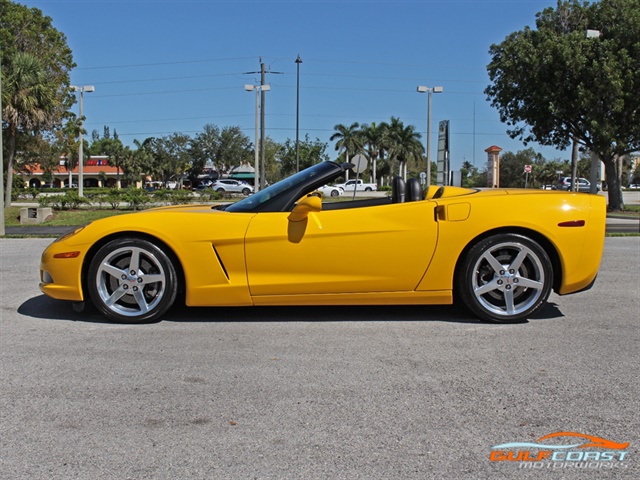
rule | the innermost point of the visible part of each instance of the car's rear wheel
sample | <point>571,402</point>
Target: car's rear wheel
<point>132,280</point>
<point>335,193</point>
<point>220,190</point>
<point>505,278</point>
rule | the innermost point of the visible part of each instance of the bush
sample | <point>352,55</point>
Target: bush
<point>210,196</point>
<point>180,197</point>
<point>113,198</point>
<point>69,201</point>
<point>136,198</point>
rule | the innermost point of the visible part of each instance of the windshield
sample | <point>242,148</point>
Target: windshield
<point>289,184</point>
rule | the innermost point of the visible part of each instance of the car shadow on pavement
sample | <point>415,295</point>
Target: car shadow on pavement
<point>320,314</point>
<point>46,308</point>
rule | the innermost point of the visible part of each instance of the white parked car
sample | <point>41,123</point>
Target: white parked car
<point>330,191</point>
<point>227,185</point>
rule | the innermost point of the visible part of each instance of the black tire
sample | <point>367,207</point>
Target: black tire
<point>368,189</point>
<point>335,193</point>
<point>505,278</point>
<point>132,280</point>
<point>246,191</point>
<point>220,190</point>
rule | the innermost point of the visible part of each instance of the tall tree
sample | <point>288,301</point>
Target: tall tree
<point>348,140</point>
<point>373,140</point>
<point>310,152</point>
<point>234,148</point>
<point>36,61</point>
<point>403,143</point>
<point>171,156</point>
<point>204,148</point>
<point>27,101</point>
<point>554,84</point>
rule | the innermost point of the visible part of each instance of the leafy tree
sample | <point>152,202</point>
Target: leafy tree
<point>170,156</point>
<point>512,168</point>
<point>310,153</point>
<point>35,75</point>
<point>553,85</point>
<point>204,148</point>
<point>136,162</point>
<point>114,149</point>
<point>234,148</point>
<point>67,144</point>
<point>472,177</point>
<point>272,165</point>
<point>225,148</point>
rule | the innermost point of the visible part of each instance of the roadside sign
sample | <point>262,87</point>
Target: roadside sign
<point>527,169</point>
<point>360,163</point>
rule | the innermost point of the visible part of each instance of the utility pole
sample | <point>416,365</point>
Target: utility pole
<point>2,205</point>
<point>263,88</point>
<point>263,171</point>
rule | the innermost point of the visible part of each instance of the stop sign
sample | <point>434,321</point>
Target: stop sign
<point>527,169</point>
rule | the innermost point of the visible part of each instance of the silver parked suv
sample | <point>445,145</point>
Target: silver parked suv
<point>233,186</point>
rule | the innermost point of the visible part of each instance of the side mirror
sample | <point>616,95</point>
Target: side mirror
<point>307,205</point>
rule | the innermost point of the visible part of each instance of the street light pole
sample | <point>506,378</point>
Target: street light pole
<point>258,145</point>
<point>82,89</point>
<point>298,62</point>
<point>423,89</point>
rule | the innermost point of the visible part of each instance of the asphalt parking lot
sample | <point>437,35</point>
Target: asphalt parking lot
<point>271,393</point>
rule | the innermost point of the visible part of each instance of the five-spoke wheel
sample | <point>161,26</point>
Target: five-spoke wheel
<point>505,278</point>
<point>132,281</point>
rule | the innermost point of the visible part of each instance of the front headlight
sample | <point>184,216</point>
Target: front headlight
<point>70,234</point>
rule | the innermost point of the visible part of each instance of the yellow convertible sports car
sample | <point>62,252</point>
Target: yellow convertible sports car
<point>499,252</point>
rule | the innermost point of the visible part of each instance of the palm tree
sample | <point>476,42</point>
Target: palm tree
<point>404,144</point>
<point>28,104</point>
<point>373,140</point>
<point>348,139</point>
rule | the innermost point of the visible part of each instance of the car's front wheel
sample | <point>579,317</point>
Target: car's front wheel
<point>131,280</point>
<point>246,191</point>
<point>335,193</point>
<point>505,278</point>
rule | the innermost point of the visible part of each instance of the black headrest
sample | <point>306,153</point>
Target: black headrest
<point>414,190</point>
<point>397,190</point>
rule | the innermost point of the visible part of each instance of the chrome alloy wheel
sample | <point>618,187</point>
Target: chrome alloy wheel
<point>508,279</point>
<point>130,281</point>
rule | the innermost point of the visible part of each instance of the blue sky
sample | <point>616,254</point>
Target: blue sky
<point>173,66</point>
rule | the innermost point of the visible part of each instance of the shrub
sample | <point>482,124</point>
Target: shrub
<point>113,198</point>
<point>136,198</point>
<point>180,197</point>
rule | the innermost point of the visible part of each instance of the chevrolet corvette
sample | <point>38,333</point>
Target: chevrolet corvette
<point>499,252</point>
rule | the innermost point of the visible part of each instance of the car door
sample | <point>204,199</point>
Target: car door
<point>372,249</point>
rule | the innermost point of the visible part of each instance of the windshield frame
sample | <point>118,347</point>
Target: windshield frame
<point>281,196</point>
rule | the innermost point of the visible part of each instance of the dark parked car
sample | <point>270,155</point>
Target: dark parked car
<point>583,184</point>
